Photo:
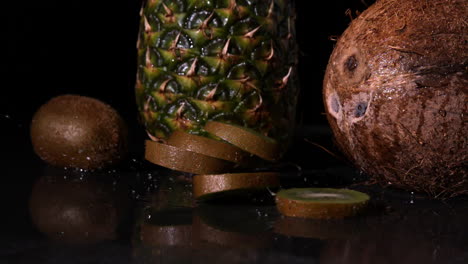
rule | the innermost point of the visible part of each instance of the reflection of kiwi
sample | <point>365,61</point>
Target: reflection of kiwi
<point>246,139</point>
<point>217,185</point>
<point>207,146</point>
<point>78,131</point>
<point>242,218</point>
<point>173,243</point>
<point>183,160</point>
<point>77,210</point>
<point>169,235</point>
<point>169,227</point>
<point>313,228</point>
<point>163,231</point>
<point>320,203</point>
<point>172,192</point>
<point>234,226</point>
<point>424,232</point>
<point>208,234</point>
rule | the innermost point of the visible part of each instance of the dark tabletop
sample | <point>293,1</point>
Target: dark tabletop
<point>142,213</point>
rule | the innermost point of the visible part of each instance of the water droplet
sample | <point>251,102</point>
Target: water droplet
<point>88,158</point>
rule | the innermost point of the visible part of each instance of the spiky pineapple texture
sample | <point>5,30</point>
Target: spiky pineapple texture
<point>224,60</point>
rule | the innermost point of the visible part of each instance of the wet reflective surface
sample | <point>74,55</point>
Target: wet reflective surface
<point>141,213</point>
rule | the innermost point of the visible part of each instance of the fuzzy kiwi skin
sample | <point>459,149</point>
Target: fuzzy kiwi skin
<point>395,93</point>
<point>78,131</point>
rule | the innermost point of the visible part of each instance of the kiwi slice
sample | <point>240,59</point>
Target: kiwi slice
<point>207,146</point>
<point>216,185</point>
<point>183,160</point>
<point>246,139</point>
<point>320,203</point>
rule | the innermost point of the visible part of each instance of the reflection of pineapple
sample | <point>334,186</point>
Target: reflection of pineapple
<point>225,60</point>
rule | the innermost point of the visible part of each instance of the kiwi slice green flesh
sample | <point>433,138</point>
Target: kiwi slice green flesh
<point>207,146</point>
<point>246,139</point>
<point>320,203</point>
<point>183,160</point>
<point>210,186</point>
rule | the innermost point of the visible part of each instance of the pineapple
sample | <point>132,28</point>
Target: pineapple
<point>232,61</point>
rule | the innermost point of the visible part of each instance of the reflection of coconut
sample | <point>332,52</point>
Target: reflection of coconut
<point>76,210</point>
<point>405,236</point>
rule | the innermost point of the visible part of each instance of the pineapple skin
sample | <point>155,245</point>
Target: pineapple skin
<point>232,61</point>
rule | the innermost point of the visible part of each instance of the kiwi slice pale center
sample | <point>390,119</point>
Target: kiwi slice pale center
<point>327,196</point>
<point>324,195</point>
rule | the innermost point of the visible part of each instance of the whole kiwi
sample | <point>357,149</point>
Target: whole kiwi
<point>78,131</point>
<point>395,93</point>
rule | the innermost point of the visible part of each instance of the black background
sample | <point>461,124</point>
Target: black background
<point>87,47</point>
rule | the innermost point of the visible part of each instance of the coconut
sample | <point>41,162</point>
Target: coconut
<point>395,93</point>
